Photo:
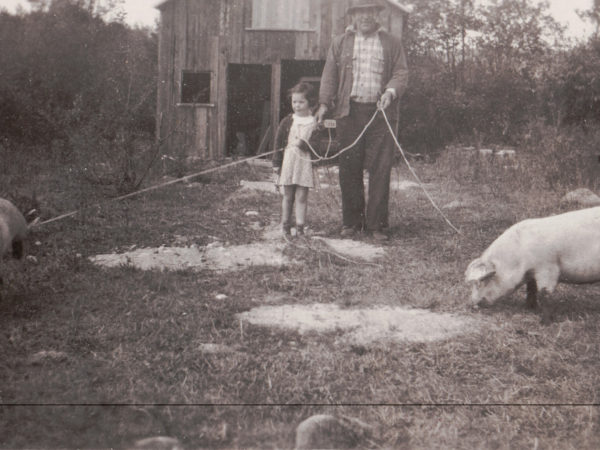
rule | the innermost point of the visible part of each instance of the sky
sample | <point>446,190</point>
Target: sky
<point>139,12</point>
<point>143,12</point>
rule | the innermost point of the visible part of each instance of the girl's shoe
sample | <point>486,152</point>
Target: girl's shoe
<point>299,230</point>
<point>286,231</point>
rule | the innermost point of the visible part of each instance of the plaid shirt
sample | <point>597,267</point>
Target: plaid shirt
<point>367,68</point>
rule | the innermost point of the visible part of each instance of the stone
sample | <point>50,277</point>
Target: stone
<point>158,443</point>
<point>215,349</point>
<point>581,196</point>
<point>456,204</point>
<point>326,431</point>
<point>48,355</point>
<point>264,186</point>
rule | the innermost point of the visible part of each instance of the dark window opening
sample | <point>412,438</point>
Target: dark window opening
<point>248,109</point>
<point>195,87</point>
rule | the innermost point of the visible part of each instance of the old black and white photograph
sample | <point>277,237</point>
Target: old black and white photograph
<point>300,224</point>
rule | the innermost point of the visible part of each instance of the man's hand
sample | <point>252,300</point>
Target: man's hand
<point>386,100</point>
<point>321,112</point>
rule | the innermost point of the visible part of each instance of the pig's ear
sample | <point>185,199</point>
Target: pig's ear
<point>480,270</point>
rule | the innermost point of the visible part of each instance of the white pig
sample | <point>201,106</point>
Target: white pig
<point>13,230</point>
<point>540,253</point>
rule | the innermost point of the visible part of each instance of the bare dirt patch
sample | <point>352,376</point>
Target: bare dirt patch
<point>227,258</point>
<point>214,257</point>
<point>354,249</point>
<point>363,326</point>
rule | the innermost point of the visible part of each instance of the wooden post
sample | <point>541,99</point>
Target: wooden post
<point>221,99</point>
<point>218,95</point>
<point>275,98</point>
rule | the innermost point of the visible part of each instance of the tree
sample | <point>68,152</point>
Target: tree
<point>593,15</point>
<point>77,84</point>
<point>516,33</point>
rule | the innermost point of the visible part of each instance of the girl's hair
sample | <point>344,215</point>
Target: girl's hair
<point>308,90</point>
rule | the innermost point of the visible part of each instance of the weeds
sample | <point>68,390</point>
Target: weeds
<point>135,341</point>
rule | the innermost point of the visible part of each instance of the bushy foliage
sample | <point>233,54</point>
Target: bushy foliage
<point>75,84</point>
<point>481,73</point>
<point>485,74</point>
<point>577,86</point>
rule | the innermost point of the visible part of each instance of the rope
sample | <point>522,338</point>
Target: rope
<point>151,188</point>
<point>415,175</point>
<point>326,158</point>
<point>234,163</point>
<point>345,149</point>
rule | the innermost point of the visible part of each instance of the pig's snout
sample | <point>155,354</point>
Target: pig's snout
<point>477,300</point>
<point>481,303</point>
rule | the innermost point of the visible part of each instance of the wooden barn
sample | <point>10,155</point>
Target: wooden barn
<point>225,67</point>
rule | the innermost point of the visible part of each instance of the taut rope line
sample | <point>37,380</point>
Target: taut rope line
<point>234,163</point>
<point>151,188</point>
<point>326,158</point>
<point>415,175</point>
<point>345,149</point>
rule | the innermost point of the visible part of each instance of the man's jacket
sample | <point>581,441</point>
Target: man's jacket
<point>336,81</point>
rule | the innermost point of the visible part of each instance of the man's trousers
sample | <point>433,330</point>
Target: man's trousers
<point>373,152</point>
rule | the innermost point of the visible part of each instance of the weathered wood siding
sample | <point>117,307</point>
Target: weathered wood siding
<point>188,41</point>
<point>206,35</point>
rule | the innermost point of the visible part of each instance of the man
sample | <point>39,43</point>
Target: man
<point>365,68</point>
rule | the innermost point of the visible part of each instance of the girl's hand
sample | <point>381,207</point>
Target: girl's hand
<point>321,113</point>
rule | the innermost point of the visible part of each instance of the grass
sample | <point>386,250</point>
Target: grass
<point>134,365</point>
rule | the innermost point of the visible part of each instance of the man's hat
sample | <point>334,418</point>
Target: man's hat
<point>356,5</point>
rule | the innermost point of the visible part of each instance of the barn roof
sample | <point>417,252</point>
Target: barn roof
<point>395,3</point>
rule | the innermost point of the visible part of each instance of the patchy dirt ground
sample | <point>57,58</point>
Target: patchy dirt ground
<point>363,326</point>
<point>384,340</point>
<point>360,326</point>
<point>214,256</point>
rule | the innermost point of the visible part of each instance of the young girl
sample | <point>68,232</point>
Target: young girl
<point>291,162</point>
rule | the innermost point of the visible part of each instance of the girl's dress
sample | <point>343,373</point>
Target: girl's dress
<point>297,165</point>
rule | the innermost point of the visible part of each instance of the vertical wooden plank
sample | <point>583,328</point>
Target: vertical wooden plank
<point>222,98</point>
<point>275,97</point>
<point>302,46</point>
<point>179,46</point>
<point>188,36</point>
<point>303,13</point>
<point>195,22</point>
<point>163,65</point>
<point>266,47</point>
<point>218,114</point>
<point>308,43</point>
<point>315,38</point>
<point>168,80</point>
<point>200,129</point>
<point>186,115</point>
<point>237,31</point>
<point>326,27</point>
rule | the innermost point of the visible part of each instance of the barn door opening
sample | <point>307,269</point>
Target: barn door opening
<point>294,71</point>
<point>248,108</point>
